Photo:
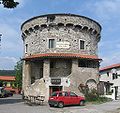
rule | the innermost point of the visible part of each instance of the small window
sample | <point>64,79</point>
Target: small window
<point>26,48</point>
<point>82,44</point>
<point>108,74</point>
<point>114,76</point>
<point>51,43</point>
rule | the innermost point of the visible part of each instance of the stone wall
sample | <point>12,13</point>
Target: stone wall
<point>64,28</point>
<point>61,68</point>
<point>67,28</point>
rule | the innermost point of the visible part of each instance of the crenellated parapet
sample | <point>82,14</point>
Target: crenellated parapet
<point>67,28</point>
<point>57,21</point>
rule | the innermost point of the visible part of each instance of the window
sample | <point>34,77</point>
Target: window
<point>54,94</point>
<point>82,44</point>
<point>73,94</point>
<point>87,63</point>
<point>108,74</point>
<point>51,64</point>
<point>65,94</point>
<point>51,43</point>
<point>26,48</point>
<point>60,94</point>
<point>114,76</point>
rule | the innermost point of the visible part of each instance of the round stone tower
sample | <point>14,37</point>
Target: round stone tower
<point>60,53</point>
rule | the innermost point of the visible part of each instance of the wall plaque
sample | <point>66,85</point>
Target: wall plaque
<point>62,44</point>
<point>55,81</point>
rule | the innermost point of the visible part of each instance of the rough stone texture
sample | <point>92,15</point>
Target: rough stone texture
<point>37,40</point>
<point>37,69</point>
<point>68,28</point>
<point>61,68</point>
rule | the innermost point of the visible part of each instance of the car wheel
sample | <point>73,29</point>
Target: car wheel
<point>82,103</point>
<point>60,105</point>
<point>51,105</point>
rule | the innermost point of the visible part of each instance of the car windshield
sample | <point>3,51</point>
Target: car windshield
<point>54,94</point>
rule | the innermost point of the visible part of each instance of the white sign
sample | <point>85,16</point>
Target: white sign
<point>62,44</point>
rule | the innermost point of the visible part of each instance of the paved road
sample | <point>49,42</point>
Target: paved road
<point>15,105</point>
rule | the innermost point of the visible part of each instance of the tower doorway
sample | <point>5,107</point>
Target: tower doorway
<point>54,88</point>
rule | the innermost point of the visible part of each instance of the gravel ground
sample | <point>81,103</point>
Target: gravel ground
<point>16,105</point>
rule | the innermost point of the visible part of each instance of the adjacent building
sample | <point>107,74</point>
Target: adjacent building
<point>60,53</point>
<point>7,80</point>
<point>110,80</point>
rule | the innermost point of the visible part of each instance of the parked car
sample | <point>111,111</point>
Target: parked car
<point>63,98</point>
<point>5,93</point>
<point>1,90</point>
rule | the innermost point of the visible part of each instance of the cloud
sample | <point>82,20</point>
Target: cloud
<point>7,62</point>
<point>105,9</point>
<point>109,52</point>
<point>111,59</point>
<point>11,40</point>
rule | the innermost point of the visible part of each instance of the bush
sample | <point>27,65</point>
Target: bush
<point>93,96</point>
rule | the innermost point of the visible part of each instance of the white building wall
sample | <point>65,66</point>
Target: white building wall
<point>116,82</point>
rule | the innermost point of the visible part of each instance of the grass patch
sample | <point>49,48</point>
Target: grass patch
<point>94,98</point>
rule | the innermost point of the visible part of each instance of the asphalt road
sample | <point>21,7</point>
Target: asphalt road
<point>16,105</point>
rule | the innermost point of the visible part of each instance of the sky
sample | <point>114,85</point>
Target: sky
<point>105,12</point>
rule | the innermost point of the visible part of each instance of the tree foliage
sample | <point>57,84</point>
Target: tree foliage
<point>9,3</point>
<point>18,70</point>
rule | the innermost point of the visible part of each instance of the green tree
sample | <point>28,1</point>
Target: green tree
<point>1,83</point>
<point>9,3</point>
<point>18,70</point>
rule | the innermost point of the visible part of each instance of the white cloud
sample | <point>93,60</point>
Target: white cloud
<point>111,59</point>
<point>11,40</point>
<point>7,62</point>
<point>105,9</point>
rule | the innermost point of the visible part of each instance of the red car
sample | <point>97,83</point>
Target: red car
<point>62,98</point>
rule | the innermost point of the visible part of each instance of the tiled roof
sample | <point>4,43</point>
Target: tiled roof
<point>7,78</point>
<point>110,67</point>
<point>62,55</point>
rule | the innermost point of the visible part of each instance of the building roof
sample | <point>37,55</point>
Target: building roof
<point>60,14</point>
<point>110,67</point>
<point>61,55</point>
<point>7,78</point>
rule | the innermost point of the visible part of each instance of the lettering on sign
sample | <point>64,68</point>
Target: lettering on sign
<point>55,81</point>
<point>62,44</point>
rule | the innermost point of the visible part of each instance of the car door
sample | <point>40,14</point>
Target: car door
<point>73,98</point>
<point>66,98</point>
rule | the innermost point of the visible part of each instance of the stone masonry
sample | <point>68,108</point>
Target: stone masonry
<point>61,47</point>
